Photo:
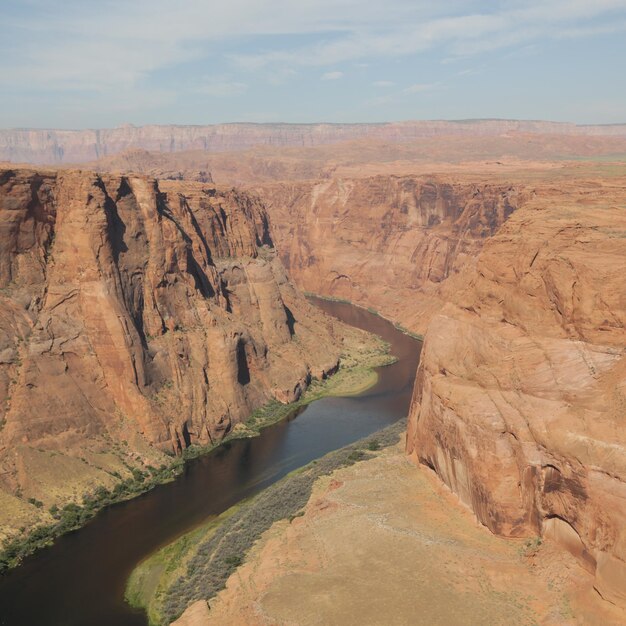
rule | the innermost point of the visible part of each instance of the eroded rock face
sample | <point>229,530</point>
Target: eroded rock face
<point>385,241</point>
<point>137,314</point>
<point>520,401</point>
<point>75,146</point>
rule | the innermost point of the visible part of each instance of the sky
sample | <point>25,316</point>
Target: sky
<point>87,64</point>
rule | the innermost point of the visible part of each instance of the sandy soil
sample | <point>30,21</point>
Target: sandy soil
<point>382,542</point>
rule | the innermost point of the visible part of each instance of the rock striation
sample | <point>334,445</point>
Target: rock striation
<point>75,146</point>
<point>138,316</point>
<point>520,288</point>
<point>385,241</point>
<point>520,400</point>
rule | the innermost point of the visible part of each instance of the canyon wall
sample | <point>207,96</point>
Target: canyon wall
<point>137,318</point>
<point>520,400</point>
<point>74,146</point>
<point>520,289</point>
<point>387,242</point>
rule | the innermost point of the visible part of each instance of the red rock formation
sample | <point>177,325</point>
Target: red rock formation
<point>521,393</point>
<point>74,146</point>
<point>386,242</point>
<point>142,313</point>
<point>520,400</point>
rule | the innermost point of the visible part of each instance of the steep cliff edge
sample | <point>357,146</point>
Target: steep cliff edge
<point>520,401</point>
<point>136,318</point>
<point>385,241</point>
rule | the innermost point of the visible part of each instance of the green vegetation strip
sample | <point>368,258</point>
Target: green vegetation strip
<point>197,565</point>
<point>73,516</point>
<point>355,374</point>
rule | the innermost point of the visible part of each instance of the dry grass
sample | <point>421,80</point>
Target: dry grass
<point>197,565</point>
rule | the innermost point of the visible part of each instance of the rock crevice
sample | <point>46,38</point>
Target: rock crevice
<point>520,398</point>
<point>142,314</point>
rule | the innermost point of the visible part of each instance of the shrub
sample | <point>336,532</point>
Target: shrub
<point>217,557</point>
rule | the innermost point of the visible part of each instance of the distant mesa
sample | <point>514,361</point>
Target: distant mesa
<point>73,146</point>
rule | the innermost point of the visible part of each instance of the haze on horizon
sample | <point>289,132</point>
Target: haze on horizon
<point>81,64</point>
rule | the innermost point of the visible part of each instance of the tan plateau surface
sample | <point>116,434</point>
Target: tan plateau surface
<point>263,164</point>
<point>382,543</point>
<point>73,146</point>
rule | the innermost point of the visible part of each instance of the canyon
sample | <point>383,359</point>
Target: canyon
<point>519,289</point>
<point>137,318</point>
<point>502,243</point>
<point>389,242</point>
<point>514,273</point>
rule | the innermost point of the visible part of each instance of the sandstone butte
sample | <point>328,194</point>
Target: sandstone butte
<point>136,318</point>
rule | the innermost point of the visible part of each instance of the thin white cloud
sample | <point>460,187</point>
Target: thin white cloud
<point>470,71</point>
<point>462,35</point>
<point>332,75</point>
<point>421,88</point>
<point>120,49</point>
<point>399,96</point>
<point>383,83</point>
<point>380,101</point>
<point>223,89</point>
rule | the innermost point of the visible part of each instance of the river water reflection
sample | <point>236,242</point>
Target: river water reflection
<point>80,580</point>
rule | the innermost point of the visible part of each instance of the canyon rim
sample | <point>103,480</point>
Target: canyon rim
<point>313,313</point>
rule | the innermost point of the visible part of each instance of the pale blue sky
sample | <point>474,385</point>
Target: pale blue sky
<point>77,63</point>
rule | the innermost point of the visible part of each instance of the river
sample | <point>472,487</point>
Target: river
<point>80,580</point>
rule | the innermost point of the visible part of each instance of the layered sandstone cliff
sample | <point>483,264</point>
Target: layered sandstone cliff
<point>137,317</point>
<point>73,146</point>
<point>521,393</point>
<point>520,401</point>
<point>385,241</point>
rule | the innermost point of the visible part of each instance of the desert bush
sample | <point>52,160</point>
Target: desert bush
<point>216,558</point>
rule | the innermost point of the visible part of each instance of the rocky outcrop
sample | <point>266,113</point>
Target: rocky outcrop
<point>520,400</point>
<point>411,535</point>
<point>387,242</point>
<point>74,146</point>
<point>139,316</point>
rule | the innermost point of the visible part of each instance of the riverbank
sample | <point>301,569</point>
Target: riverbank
<point>382,542</point>
<point>197,565</point>
<point>361,353</point>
